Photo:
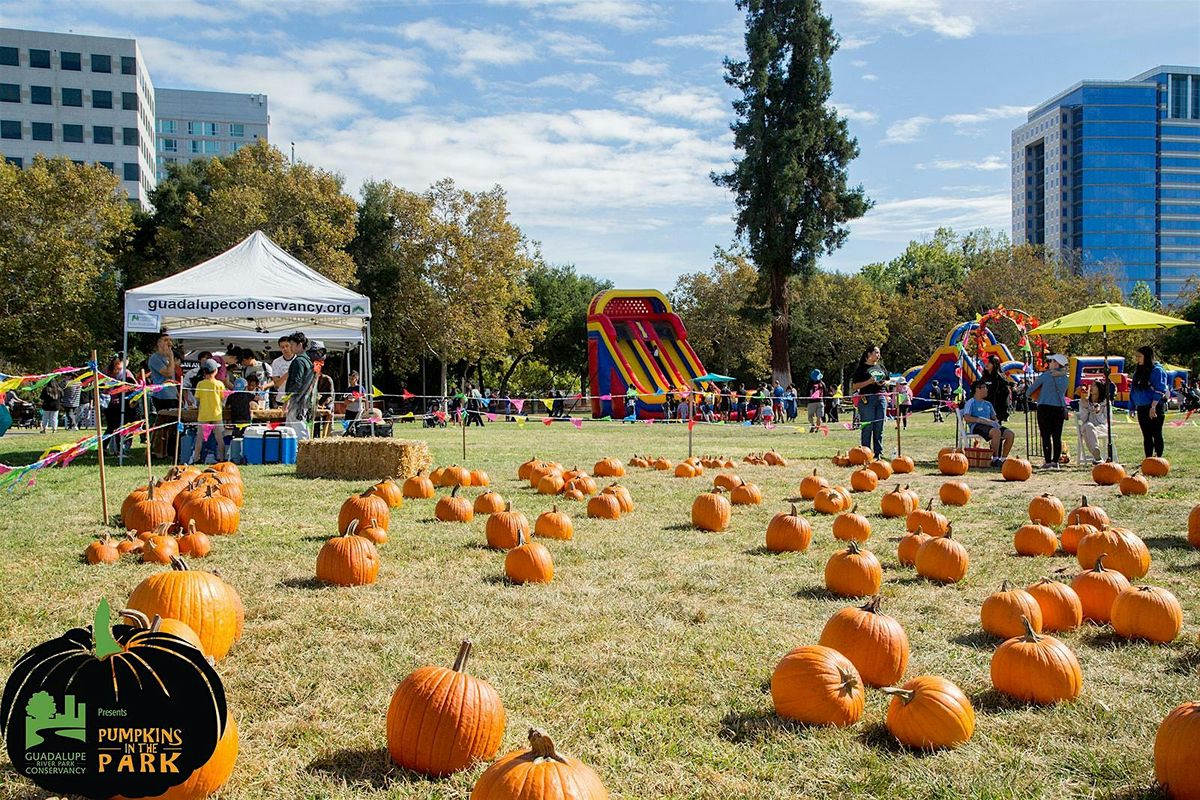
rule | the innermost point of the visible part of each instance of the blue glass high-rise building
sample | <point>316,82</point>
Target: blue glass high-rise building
<point>1110,171</point>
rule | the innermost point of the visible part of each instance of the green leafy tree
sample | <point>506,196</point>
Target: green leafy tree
<point>445,271</point>
<point>940,260</point>
<point>205,207</point>
<point>1182,345</point>
<point>59,230</point>
<point>1141,296</point>
<point>726,326</point>
<point>837,317</point>
<point>790,181</point>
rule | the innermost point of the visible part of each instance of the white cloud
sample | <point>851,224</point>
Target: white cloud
<point>626,15</point>
<point>903,220</point>
<point>572,45</point>
<point>470,46</point>
<point>856,114</point>
<point>987,164</point>
<point>906,130</point>
<point>867,76</point>
<point>858,62</point>
<point>697,104</point>
<point>645,67</point>
<point>852,42</point>
<point>576,81</point>
<point>721,44</point>
<point>965,123</point>
<point>927,14</point>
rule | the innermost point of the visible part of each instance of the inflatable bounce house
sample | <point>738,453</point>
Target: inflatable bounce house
<point>635,340</point>
<point>943,366</point>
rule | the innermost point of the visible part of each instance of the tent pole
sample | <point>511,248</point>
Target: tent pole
<point>99,438</point>
<point>125,361</point>
<point>1108,404</point>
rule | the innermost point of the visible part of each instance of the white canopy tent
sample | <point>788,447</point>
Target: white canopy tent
<point>250,295</point>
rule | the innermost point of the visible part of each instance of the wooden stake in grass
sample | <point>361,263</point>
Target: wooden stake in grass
<point>178,420</point>
<point>149,427</point>
<point>99,437</point>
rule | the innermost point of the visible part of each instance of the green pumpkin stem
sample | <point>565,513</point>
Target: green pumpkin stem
<point>464,652</point>
<point>105,644</point>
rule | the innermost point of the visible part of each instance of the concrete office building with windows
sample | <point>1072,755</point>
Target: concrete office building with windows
<point>195,124</point>
<point>1109,172</point>
<point>89,98</point>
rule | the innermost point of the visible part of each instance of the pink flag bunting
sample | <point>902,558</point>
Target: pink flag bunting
<point>491,417</point>
<point>206,431</point>
<point>578,423</point>
<point>518,404</point>
<point>825,431</point>
<point>848,426</point>
<point>606,397</point>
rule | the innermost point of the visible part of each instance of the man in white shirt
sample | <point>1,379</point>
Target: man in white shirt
<point>279,369</point>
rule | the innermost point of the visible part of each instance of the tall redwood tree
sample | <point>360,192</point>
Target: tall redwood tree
<point>790,177</point>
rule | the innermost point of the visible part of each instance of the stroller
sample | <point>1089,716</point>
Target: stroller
<point>24,414</point>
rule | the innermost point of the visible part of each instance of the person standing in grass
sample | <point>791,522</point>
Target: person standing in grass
<point>210,398</point>
<point>51,404</point>
<point>904,399</point>
<point>70,403</point>
<point>1148,396</point>
<point>817,389</point>
<point>1052,409</point>
<point>869,382</point>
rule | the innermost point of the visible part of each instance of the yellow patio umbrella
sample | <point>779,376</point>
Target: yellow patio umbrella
<point>1102,318</point>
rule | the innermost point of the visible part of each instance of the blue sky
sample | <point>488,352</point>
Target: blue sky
<point>603,118</point>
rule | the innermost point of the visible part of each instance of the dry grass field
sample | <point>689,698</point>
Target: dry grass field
<point>649,655</point>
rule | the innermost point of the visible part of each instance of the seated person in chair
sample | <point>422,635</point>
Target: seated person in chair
<point>979,414</point>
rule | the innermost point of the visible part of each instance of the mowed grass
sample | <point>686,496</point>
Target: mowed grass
<point>650,654</point>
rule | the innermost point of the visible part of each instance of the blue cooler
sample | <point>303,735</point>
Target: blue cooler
<point>261,445</point>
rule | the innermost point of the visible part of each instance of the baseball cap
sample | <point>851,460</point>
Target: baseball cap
<point>316,344</point>
<point>1059,358</point>
<point>209,365</point>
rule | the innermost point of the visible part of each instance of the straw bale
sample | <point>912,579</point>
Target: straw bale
<point>370,458</point>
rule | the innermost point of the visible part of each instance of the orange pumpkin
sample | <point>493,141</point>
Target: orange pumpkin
<point>810,485</point>
<point>624,499</point>
<point>1047,509</point>
<point>1134,484</point>
<point>1177,752</point>
<point>875,643</point>
<point>364,507</point>
<point>1097,589</point>
<point>102,551</point>
<point>443,720</point>
<point>1072,535</point>
<point>953,463</point>
<point>418,487</point>
<point>863,480</point>
<point>537,773</point>
<point>488,503</point>
<point>685,470</point>
<point>528,562</point>
<point>609,468</point>
<point>896,503</point>
<point>930,713</point>
<point>1059,604</point>
<point>828,501</point>
<point>853,572</point>
<point>927,520</point>
<point>505,528</point>
<point>202,600</point>
<point>860,456</point>
<point>774,458</point>
<point>788,532</point>
<point>851,526</point>
<point>1036,668</point>
<point>374,533</point>
<point>1193,526</point>
<point>452,508</point>
<point>554,524</point>
<point>145,513</point>
<point>390,492</point>
<point>1123,551</point>
<point>550,483</point>
<point>746,494</point>
<point>1147,612</point>
<point>903,465</point>
<point>1035,539</point>
<point>882,469</point>
<point>817,685</point>
<point>456,476</point>
<point>194,543</point>
<point>710,511</point>
<point>1016,469</point>
<point>1108,473</point>
<point>1088,515</point>
<point>1001,612</point>
<point>663,464</point>
<point>524,469</point>
<point>727,481</point>
<point>955,493</point>
<point>160,547</point>
<point>604,506</point>
<point>942,559</point>
<point>480,478</point>
<point>906,550</point>
<point>348,559</point>
<point>1156,467</point>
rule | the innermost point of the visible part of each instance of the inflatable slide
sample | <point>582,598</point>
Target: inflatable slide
<point>634,339</point>
<point>943,365</point>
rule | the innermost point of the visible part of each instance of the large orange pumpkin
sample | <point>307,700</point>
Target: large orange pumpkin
<point>1047,509</point>
<point>553,524</point>
<point>1123,551</point>
<point>1060,605</point>
<point>1016,469</point>
<point>1177,752</point>
<point>604,506</point>
<point>829,501</point>
<point>788,532</point>
<point>1134,484</point>
<point>942,559</point>
<point>746,494</point>
<point>874,642</point>
<point>528,562</point>
<point>953,463</point>
<point>1088,515</point>
<point>145,513</point>
<point>955,493</point>
<point>927,521</point>
<point>930,713</point>
<point>882,469</point>
<point>851,526</point>
<point>443,720</point>
<point>1036,669</point>
<point>810,485</point>
<point>1072,535</point>
<point>202,600</point>
<point>488,503</point>
<point>1156,466</point>
<point>624,498</point>
<point>390,492</point>
<point>452,508</point>
<point>1097,589</point>
<point>102,551</point>
<point>364,507</point>
<point>903,465</point>
<point>860,456</point>
<point>1002,611</point>
<point>1147,612</point>
<point>863,480</point>
<point>853,572</point>
<point>505,528</point>
<point>418,487</point>
<point>1035,539</point>
<point>608,468</point>
<point>1193,526</point>
<point>348,559</point>
<point>817,685</point>
<point>213,774</point>
<point>710,511</point>
<point>906,550</point>
<point>896,503</point>
<point>539,773</point>
<point>1108,473</point>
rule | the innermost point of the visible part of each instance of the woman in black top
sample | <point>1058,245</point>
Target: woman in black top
<point>999,389</point>
<point>868,383</point>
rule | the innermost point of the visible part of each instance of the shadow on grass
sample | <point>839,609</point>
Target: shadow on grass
<point>1187,663</point>
<point>1192,567</point>
<point>478,546</point>
<point>740,727</point>
<point>499,580</point>
<point>679,526</point>
<point>979,640</point>
<point>1167,543</point>
<point>303,583</point>
<point>1093,636</point>
<point>877,737</point>
<point>316,538</point>
<point>815,593</point>
<point>363,766</point>
<point>1150,792</point>
<point>993,702</point>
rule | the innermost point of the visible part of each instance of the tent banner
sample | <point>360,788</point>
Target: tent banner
<point>185,305</point>
<point>143,323</point>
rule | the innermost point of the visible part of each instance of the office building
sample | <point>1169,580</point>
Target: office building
<point>1109,172</point>
<point>195,124</point>
<point>89,98</point>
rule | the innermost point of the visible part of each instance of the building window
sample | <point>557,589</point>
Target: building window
<point>16,162</point>
<point>212,148</point>
<point>131,172</point>
<point>10,129</point>
<point>237,129</point>
<point>129,137</point>
<point>195,146</point>
<point>129,101</point>
<point>43,132</point>
<point>72,97</point>
<point>72,133</point>
<point>10,92</point>
<point>108,165</point>
<point>1178,99</point>
<point>202,128</point>
<point>167,126</point>
<point>39,58</point>
<point>128,65</point>
<point>70,61</point>
<point>101,63</point>
<point>1196,97</point>
<point>102,134</point>
<point>101,98</point>
<point>9,57</point>
<point>169,145</point>
<point>40,95</point>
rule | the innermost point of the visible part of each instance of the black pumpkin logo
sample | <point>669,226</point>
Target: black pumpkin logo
<point>131,711</point>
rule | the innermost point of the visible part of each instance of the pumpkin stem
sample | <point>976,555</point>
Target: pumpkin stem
<point>105,644</point>
<point>853,547</point>
<point>520,537</point>
<point>872,605</point>
<point>1004,585</point>
<point>949,529</point>
<point>929,505</point>
<point>138,617</point>
<point>1030,634</point>
<point>849,680</point>
<point>352,528</point>
<point>464,651</point>
<point>191,527</point>
<point>855,509</point>
<point>156,623</point>
<point>541,746</point>
<point>905,695</point>
<point>178,564</point>
<point>794,512</point>
<point>454,491</point>
<point>1099,567</point>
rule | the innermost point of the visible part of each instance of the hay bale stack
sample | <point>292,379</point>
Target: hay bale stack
<point>349,458</point>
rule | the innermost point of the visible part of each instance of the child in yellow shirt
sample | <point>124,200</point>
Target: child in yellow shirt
<point>210,394</point>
